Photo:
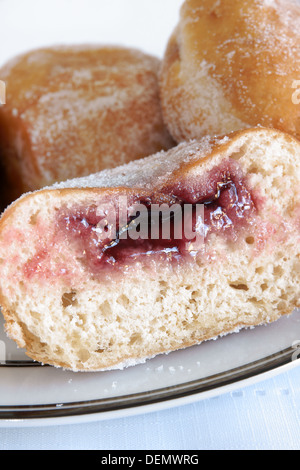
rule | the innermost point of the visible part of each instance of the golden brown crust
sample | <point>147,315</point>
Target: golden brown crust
<point>72,111</point>
<point>230,65</point>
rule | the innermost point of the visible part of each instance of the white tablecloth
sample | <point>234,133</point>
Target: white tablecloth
<point>260,417</point>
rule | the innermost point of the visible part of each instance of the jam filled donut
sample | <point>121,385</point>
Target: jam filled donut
<point>230,65</point>
<point>82,289</point>
<point>72,111</point>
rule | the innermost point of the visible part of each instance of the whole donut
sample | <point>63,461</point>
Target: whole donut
<point>233,64</point>
<point>75,110</point>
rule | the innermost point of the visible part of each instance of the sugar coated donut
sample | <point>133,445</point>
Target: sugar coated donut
<point>233,64</point>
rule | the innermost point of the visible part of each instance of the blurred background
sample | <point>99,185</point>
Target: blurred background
<point>144,24</point>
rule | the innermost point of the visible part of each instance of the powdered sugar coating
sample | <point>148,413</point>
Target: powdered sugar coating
<point>146,172</point>
<point>231,65</point>
<point>76,110</point>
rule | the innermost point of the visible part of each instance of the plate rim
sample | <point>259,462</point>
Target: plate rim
<point>147,401</point>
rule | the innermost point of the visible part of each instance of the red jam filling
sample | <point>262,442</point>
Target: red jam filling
<point>227,207</point>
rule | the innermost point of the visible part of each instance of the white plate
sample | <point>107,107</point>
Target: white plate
<point>33,395</point>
